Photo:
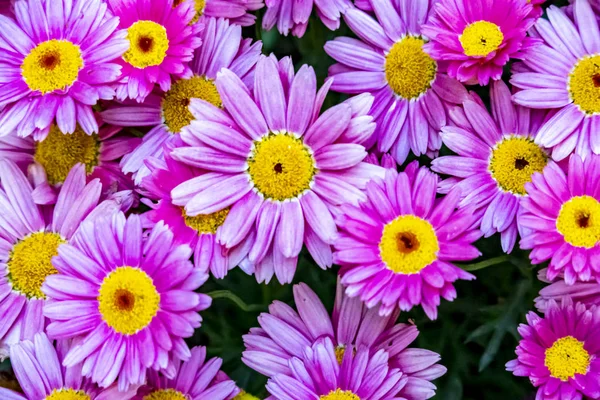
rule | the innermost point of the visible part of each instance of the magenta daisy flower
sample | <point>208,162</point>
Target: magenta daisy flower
<point>563,73</point>
<point>352,326</point>
<point>276,164</point>
<point>587,293</point>
<point>57,73</point>
<point>475,40</point>
<point>37,365</point>
<point>411,91</point>
<point>292,15</point>
<point>130,301</point>
<point>29,238</point>
<point>195,379</point>
<point>167,113</point>
<point>236,11</point>
<point>199,232</point>
<point>396,247</point>
<point>562,220</point>
<point>496,156</point>
<point>363,375</point>
<point>560,353</point>
<point>161,44</point>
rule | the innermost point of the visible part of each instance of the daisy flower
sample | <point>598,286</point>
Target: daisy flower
<point>161,44</point>
<point>168,113</point>
<point>16,149</point>
<point>587,293</point>
<point>559,353</point>
<point>276,164</point>
<point>199,232</point>
<point>195,379</point>
<point>130,301</point>
<point>562,217</point>
<point>57,73</point>
<point>29,238</point>
<point>285,334</point>
<point>236,11</point>
<point>396,247</point>
<point>411,91</point>
<point>476,39</point>
<point>563,74</point>
<point>363,375</point>
<point>496,156</point>
<point>37,365</point>
<point>293,15</point>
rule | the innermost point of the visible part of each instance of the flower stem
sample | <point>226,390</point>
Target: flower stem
<point>487,263</point>
<point>226,294</point>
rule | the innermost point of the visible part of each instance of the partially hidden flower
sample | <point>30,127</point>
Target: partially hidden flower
<point>562,220</point>
<point>127,298</point>
<point>236,11</point>
<point>286,333</point>
<point>292,15</point>
<point>587,293</point>
<point>59,60</point>
<point>559,353</point>
<point>396,248</point>
<point>277,163</point>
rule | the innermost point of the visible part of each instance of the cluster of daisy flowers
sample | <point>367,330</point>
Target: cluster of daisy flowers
<point>146,146</point>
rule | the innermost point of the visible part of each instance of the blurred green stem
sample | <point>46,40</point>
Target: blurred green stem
<point>226,294</point>
<point>487,263</point>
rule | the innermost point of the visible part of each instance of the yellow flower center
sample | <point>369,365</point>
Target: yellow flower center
<point>339,353</point>
<point>481,38</point>
<point>514,160</point>
<point>59,152</point>
<point>29,262</point>
<point>206,223</point>
<point>199,6</point>
<point>245,396</point>
<point>165,394</point>
<point>52,65</point>
<point>408,69</point>
<point>339,394</point>
<point>408,244</point>
<point>584,84</point>
<point>148,44</point>
<point>566,358</point>
<point>128,300</point>
<point>281,166</point>
<point>579,221</point>
<point>67,394</point>
<point>175,104</point>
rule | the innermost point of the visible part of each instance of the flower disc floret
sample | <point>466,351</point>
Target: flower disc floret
<point>584,84</point>
<point>148,44</point>
<point>52,65</point>
<point>481,38</point>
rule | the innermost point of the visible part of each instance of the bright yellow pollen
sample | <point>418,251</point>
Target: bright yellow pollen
<point>339,394</point>
<point>52,65</point>
<point>128,300</point>
<point>339,353</point>
<point>408,244</point>
<point>59,152</point>
<point>514,160</point>
<point>206,223</point>
<point>67,394</point>
<point>245,396</point>
<point>29,262</point>
<point>165,394</point>
<point>579,221</point>
<point>481,38</point>
<point>281,166</point>
<point>199,6</point>
<point>175,104</point>
<point>566,358</point>
<point>408,69</point>
<point>148,44</point>
<point>584,84</point>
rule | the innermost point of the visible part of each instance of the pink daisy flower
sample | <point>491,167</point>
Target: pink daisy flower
<point>411,90</point>
<point>285,334</point>
<point>167,113</point>
<point>560,353</point>
<point>236,11</point>
<point>587,293</point>
<point>563,74</point>
<point>161,44</point>
<point>476,39</point>
<point>293,15</point>
<point>57,73</point>
<point>562,220</point>
<point>37,365</point>
<point>279,166</point>
<point>199,232</point>
<point>396,247</point>
<point>537,9</point>
<point>496,156</point>
<point>127,297</point>
<point>195,379</point>
<point>29,237</point>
